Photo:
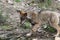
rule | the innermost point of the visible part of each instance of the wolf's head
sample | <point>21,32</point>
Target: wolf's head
<point>24,15</point>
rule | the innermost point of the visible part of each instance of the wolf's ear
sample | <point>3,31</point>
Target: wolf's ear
<point>22,13</point>
<point>19,11</point>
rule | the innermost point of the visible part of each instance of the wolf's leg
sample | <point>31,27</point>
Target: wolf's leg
<point>58,29</point>
<point>34,29</point>
<point>54,21</point>
<point>56,26</point>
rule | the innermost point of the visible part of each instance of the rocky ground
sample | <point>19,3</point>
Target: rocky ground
<point>13,31</point>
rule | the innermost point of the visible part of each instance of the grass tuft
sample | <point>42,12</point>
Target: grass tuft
<point>17,0</point>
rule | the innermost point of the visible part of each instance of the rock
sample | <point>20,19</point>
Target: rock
<point>58,0</point>
<point>10,2</point>
<point>57,38</point>
<point>34,39</point>
<point>29,34</point>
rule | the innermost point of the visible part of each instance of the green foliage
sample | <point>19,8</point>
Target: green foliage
<point>5,27</point>
<point>48,3</point>
<point>2,18</point>
<point>4,39</point>
<point>27,25</point>
<point>49,28</point>
<point>17,0</point>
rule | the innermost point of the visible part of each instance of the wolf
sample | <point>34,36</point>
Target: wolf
<point>42,17</point>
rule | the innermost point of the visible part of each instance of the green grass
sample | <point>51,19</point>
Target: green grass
<point>17,0</point>
<point>4,27</point>
<point>26,25</point>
